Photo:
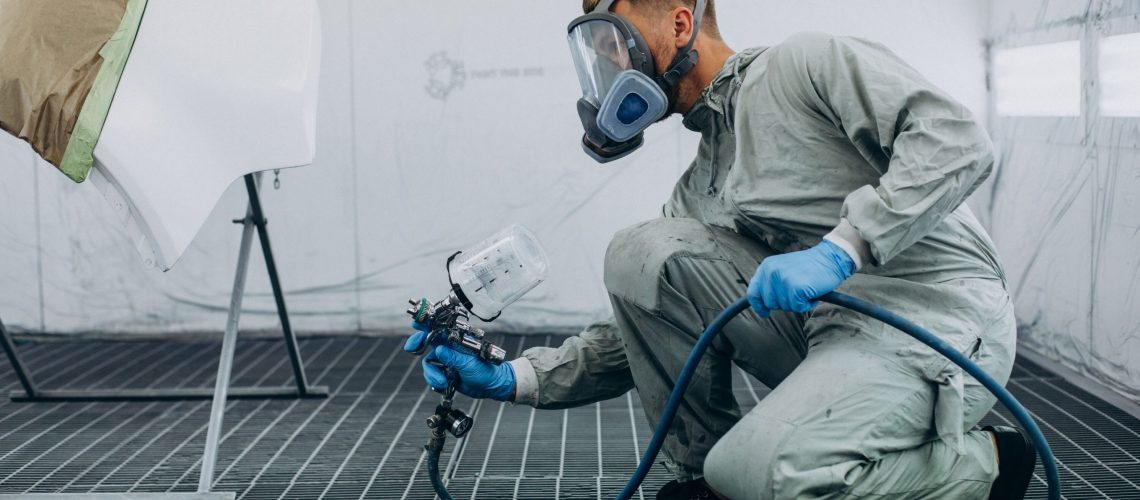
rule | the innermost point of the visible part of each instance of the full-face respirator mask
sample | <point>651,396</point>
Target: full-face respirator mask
<point>622,95</point>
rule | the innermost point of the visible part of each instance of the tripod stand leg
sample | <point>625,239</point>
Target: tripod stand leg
<point>226,360</point>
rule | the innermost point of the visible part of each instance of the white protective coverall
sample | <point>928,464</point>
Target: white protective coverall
<point>816,136</point>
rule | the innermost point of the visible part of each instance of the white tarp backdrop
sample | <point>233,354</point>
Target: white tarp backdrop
<point>1066,203</point>
<point>439,123</point>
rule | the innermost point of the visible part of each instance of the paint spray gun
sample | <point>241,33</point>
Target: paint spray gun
<point>484,279</point>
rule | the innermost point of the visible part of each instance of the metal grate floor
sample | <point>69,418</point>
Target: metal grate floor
<point>366,440</point>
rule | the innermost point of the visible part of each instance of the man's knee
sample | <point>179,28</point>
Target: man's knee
<point>637,256</point>
<point>740,465</point>
<point>768,458</point>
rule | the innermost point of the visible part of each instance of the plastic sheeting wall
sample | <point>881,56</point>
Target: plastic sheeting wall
<point>439,123</point>
<point>1066,207</point>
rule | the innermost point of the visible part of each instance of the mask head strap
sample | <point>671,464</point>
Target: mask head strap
<point>686,58</point>
<point>603,6</point>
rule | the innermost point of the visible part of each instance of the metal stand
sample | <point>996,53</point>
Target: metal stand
<point>226,361</point>
<point>254,219</point>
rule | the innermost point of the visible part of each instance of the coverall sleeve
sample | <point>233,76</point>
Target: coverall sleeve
<point>929,151</point>
<point>586,368</point>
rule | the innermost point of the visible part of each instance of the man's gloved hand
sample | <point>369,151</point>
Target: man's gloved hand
<point>792,281</point>
<point>477,378</point>
<point>413,343</point>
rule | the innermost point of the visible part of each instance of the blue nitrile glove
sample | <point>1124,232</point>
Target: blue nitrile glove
<point>477,378</point>
<point>413,343</point>
<point>792,281</point>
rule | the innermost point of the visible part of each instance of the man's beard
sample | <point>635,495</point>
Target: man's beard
<point>674,96</point>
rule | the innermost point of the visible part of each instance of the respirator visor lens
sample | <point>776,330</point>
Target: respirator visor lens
<point>600,54</point>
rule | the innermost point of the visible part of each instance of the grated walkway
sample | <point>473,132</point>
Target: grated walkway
<point>366,440</point>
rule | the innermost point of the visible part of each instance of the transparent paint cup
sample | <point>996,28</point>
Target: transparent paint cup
<point>495,272</point>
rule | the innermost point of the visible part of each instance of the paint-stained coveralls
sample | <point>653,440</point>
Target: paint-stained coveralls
<point>819,136</point>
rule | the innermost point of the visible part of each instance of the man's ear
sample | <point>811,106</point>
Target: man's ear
<point>682,19</point>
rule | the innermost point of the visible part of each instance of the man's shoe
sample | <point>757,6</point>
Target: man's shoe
<point>696,489</point>
<point>1016,459</point>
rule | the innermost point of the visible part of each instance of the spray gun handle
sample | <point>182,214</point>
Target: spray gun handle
<point>452,379</point>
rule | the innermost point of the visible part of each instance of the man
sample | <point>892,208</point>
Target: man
<point>835,166</point>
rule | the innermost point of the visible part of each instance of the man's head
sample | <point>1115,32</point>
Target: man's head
<point>661,9</point>
<point>639,61</point>
<point>667,26</point>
